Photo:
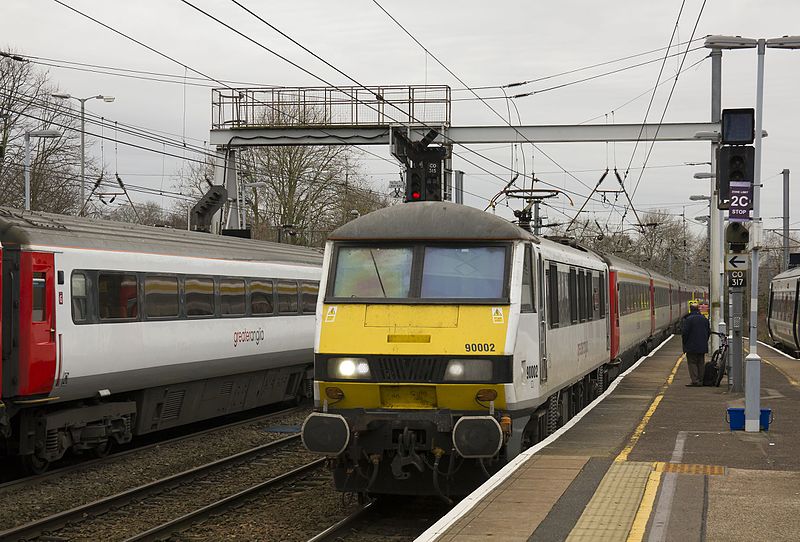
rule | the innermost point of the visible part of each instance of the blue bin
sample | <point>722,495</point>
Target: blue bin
<point>736,419</point>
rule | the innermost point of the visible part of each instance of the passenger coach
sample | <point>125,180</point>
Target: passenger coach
<point>111,330</point>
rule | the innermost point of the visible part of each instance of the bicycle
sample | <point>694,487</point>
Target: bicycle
<point>720,357</point>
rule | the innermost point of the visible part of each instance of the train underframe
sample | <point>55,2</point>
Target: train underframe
<point>43,433</point>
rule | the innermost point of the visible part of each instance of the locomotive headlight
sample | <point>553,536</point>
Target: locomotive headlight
<point>351,368</point>
<point>469,370</point>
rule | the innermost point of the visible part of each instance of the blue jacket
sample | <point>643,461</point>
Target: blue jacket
<point>695,331</point>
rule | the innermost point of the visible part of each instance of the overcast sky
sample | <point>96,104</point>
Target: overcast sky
<point>484,43</point>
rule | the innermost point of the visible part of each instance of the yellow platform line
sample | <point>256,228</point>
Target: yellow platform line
<point>792,381</point>
<point>639,526</point>
<point>637,434</point>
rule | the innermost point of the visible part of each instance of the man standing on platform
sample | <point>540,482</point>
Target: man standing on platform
<point>695,332</point>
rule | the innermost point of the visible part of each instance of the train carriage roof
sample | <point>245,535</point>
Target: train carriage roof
<point>430,220</point>
<point>27,228</point>
<point>788,274</point>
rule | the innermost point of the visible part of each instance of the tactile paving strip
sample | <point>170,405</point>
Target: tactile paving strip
<point>689,468</point>
<point>611,511</point>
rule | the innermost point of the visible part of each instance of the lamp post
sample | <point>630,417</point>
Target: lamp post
<point>753,361</point>
<point>83,101</point>
<point>27,165</point>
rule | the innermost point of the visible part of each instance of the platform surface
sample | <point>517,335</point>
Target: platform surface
<point>655,461</point>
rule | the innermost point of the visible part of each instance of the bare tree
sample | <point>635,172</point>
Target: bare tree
<point>663,244</point>
<point>26,104</point>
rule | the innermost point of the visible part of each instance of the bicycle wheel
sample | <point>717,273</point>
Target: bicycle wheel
<point>722,364</point>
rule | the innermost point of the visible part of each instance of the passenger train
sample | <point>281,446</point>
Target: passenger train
<point>782,313</point>
<point>449,340</point>
<point>112,330</point>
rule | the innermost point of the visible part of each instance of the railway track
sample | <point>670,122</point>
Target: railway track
<point>154,510</point>
<point>55,473</point>
<point>385,519</point>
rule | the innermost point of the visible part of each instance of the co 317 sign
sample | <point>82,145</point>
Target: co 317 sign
<point>737,279</point>
<point>741,194</point>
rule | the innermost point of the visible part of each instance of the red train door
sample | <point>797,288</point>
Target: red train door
<point>37,324</point>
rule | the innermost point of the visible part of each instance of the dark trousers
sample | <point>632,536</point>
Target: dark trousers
<point>696,363</point>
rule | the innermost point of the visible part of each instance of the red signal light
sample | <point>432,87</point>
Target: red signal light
<point>415,195</point>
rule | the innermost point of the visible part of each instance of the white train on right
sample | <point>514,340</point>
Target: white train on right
<point>782,320</point>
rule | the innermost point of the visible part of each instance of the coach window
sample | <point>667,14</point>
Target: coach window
<point>118,296</point>
<point>160,297</point>
<point>581,296</point>
<point>573,295</point>
<point>231,297</point>
<point>591,296</point>
<point>79,301</point>
<point>526,304</point>
<point>199,296</point>
<point>261,302</point>
<point>309,291</point>
<point>287,297</point>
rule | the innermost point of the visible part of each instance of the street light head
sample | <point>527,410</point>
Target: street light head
<point>108,99</point>
<point>730,42</point>
<point>785,42</point>
<point>61,95</point>
<point>699,197</point>
<point>44,133</point>
<point>704,175</point>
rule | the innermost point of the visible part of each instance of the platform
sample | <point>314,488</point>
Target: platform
<point>653,460</point>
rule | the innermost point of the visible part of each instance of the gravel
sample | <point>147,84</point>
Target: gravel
<point>97,481</point>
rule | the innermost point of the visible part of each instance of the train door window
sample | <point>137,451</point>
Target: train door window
<point>526,303</point>
<point>231,297</point>
<point>199,294</point>
<point>118,296</point>
<point>160,297</point>
<point>309,291</point>
<point>563,300</point>
<point>287,297</point>
<point>591,296</point>
<point>261,301</point>
<point>79,300</point>
<point>581,296</point>
<point>573,296</point>
<point>552,292</point>
<point>39,312</point>
<point>601,290</point>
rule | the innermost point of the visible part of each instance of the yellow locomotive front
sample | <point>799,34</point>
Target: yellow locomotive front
<point>414,348</point>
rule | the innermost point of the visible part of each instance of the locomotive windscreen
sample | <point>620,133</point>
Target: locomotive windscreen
<point>429,272</point>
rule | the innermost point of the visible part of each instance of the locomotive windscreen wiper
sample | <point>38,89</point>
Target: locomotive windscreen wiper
<point>378,273</point>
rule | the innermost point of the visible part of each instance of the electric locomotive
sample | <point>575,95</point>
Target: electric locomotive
<point>448,340</point>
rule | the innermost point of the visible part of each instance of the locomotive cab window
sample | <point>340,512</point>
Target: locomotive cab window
<point>463,272</point>
<point>118,296</point>
<point>527,301</point>
<point>373,272</point>
<point>39,310</point>
<point>433,273</point>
